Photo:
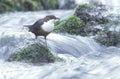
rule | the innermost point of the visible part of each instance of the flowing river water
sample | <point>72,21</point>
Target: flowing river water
<point>85,58</point>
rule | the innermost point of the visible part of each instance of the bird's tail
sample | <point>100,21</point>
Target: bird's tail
<point>28,27</point>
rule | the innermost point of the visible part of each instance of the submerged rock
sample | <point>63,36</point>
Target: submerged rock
<point>34,53</point>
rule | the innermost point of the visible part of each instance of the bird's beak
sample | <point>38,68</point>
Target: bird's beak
<point>58,18</point>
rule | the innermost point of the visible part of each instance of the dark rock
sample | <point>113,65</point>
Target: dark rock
<point>108,38</point>
<point>91,14</point>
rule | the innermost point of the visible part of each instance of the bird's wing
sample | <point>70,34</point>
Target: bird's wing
<point>38,24</point>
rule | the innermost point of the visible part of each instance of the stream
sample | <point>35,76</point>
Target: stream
<point>85,58</point>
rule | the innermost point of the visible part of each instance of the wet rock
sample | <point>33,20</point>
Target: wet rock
<point>34,53</point>
<point>86,18</point>
<point>108,38</point>
<point>91,14</point>
<point>74,25</point>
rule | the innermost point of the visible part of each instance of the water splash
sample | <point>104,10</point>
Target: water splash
<point>73,45</point>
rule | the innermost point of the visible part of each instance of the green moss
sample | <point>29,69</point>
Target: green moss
<point>34,54</point>
<point>49,4</point>
<point>5,6</point>
<point>27,5</point>
<point>71,25</point>
<point>32,5</point>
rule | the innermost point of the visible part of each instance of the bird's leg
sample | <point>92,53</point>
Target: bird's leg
<point>37,41</point>
<point>35,37</point>
<point>46,41</point>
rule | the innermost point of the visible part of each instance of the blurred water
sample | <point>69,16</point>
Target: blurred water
<point>85,59</point>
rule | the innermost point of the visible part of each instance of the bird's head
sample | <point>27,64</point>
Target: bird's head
<point>49,17</point>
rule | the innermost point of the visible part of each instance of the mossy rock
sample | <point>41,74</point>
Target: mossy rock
<point>90,14</point>
<point>71,25</point>
<point>34,53</point>
<point>108,38</point>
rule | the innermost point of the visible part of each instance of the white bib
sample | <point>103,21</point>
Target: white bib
<point>48,26</point>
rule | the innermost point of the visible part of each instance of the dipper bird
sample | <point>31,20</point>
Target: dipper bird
<point>43,26</point>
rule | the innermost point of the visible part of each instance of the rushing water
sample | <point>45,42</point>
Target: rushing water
<point>85,59</point>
